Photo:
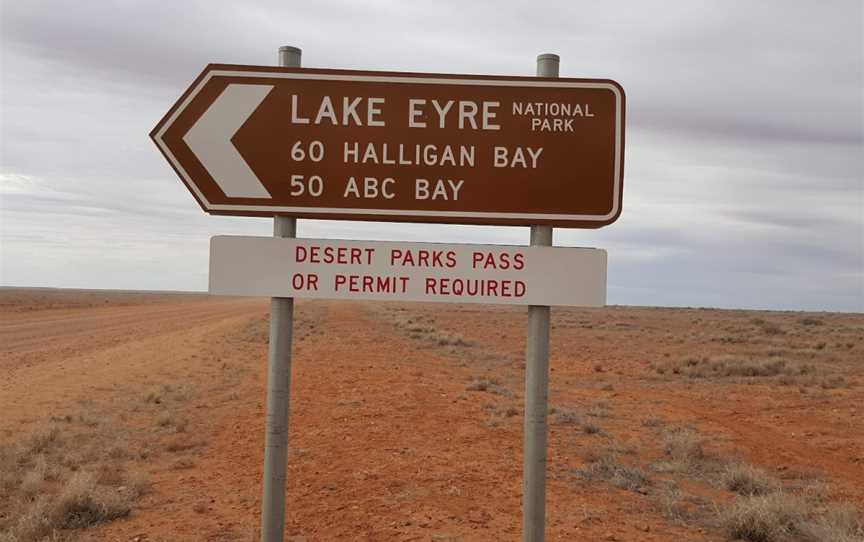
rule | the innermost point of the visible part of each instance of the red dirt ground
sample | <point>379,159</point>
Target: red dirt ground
<point>387,441</point>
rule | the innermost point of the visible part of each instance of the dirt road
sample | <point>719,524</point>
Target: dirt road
<point>406,420</point>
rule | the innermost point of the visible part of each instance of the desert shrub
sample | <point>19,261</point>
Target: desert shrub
<point>840,523</point>
<point>670,501</point>
<point>591,429</point>
<point>733,366</point>
<point>605,467</point>
<point>183,464</point>
<point>748,480</point>
<point>566,416</point>
<point>257,331</point>
<point>442,338</point>
<point>600,409</point>
<point>153,397</point>
<point>809,321</point>
<point>417,329</point>
<point>629,447</point>
<point>33,523</point>
<point>182,444</point>
<point>87,420</point>
<point>653,421</point>
<point>83,503</point>
<point>775,517</point>
<point>778,517</point>
<point>684,446</point>
<point>499,412</point>
<point>44,437</point>
<point>490,385</point>
<point>684,452</point>
<point>49,483</point>
<point>833,382</point>
<point>772,329</point>
<point>34,479</point>
<point>137,483</point>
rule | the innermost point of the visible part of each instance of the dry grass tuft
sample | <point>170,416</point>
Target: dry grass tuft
<point>565,416</point>
<point>443,338</point>
<point>748,480</point>
<point>605,467</point>
<point>49,481</point>
<point>809,321</point>
<point>418,327</point>
<point>33,524</point>
<point>765,518</point>
<point>684,446</point>
<point>653,421</point>
<point>778,517</point>
<point>670,502</point>
<point>182,445</point>
<point>490,385</point>
<point>841,523</point>
<point>600,409</point>
<point>44,437</point>
<point>499,412</point>
<point>183,464</point>
<point>257,331</point>
<point>83,503</point>
<point>152,397</point>
<point>685,453</point>
<point>34,480</point>
<point>833,382</point>
<point>568,416</point>
<point>591,429</point>
<point>733,366</point>
<point>772,329</point>
<point>137,483</point>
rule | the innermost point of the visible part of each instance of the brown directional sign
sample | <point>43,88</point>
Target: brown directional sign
<point>337,144</point>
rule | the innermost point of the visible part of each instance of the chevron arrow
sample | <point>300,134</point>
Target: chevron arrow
<point>210,139</point>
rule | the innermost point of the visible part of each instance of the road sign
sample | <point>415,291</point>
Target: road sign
<point>337,144</point>
<point>372,270</point>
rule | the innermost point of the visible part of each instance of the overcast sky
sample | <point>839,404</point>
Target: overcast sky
<point>744,173</point>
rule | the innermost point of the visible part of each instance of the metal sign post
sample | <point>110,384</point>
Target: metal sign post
<point>278,381</point>
<point>537,385</point>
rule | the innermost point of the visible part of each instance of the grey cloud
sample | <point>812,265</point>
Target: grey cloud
<point>743,179</point>
<point>690,66</point>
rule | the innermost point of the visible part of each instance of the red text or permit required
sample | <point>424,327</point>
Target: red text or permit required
<point>378,270</point>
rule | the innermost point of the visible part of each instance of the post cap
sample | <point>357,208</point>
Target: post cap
<point>290,49</point>
<point>548,56</point>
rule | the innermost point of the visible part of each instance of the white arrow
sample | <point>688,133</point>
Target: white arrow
<point>210,140</point>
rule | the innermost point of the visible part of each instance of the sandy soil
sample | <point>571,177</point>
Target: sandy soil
<point>406,419</point>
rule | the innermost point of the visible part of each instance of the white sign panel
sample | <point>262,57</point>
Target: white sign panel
<point>393,271</point>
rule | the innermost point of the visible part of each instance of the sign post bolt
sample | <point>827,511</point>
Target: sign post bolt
<point>278,381</point>
<point>537,385</point>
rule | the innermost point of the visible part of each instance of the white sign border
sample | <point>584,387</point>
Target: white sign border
<point>397,80</point>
